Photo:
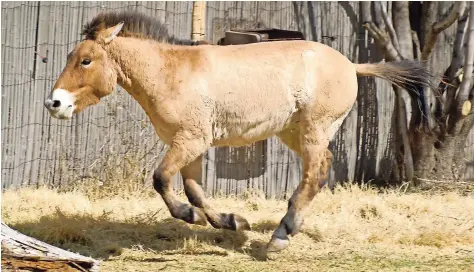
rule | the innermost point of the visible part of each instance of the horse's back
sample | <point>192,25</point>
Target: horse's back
<point>259,89</point>
<point>277,69</point>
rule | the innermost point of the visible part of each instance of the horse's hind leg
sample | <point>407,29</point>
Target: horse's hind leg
<point>179,155</point>
<point>316,160</point>
<point>192,175</point>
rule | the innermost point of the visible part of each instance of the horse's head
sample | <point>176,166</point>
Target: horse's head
<point>88,76</point>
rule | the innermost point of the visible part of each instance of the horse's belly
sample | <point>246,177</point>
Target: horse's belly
<point>239,137</point>
<point>241,131</point>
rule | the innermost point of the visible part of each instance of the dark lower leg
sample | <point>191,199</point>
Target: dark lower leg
<point>177,209</point>
<point>192,175</point>
<point>315,168</point>
<point>229,221</point>
<point>174,159</point>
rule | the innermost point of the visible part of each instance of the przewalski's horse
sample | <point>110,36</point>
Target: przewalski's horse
<point>203,96</point>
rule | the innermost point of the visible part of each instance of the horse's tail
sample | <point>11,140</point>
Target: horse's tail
<point>407,74</point>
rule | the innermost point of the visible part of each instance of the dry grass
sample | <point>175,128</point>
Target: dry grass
<point>356,228</point>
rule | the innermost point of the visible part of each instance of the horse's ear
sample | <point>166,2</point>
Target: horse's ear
<point>111,33</point>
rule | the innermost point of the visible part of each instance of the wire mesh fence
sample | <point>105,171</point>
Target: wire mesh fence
<point>115,141</point>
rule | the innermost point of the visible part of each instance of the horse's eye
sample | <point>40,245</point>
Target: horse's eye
<point>86,62</point>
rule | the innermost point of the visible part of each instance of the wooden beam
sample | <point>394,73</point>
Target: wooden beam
<point>199,21</point>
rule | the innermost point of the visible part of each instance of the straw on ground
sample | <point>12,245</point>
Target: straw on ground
<point>355,228</point>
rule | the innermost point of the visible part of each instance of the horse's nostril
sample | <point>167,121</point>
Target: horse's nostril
<point>56,103</point>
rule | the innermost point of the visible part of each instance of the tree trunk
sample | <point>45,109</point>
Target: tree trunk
<point>403,141</point>
<point>424,159</point>
<point>441,161</point>
<point>438,151</point>
<point>433,145</point>
<point>401,23</point>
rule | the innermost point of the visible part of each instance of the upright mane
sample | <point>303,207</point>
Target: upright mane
<point>135,25</point>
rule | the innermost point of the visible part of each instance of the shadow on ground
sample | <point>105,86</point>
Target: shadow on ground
<point>102,237</point>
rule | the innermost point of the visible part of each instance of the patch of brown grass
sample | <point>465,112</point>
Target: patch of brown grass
<point>357,228</point>
<point>265,226</point>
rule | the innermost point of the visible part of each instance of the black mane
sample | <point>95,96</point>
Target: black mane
<point>135,25</point>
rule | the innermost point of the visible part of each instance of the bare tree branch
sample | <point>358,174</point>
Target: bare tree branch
<point>380,37</point>
<point>466,86</point>
<point>402,135</point>
<point>366,12</point>
<point>459,44</point>
<point>429,11</point>
<point>401,23</point>
<point>391,53</point>
<point>371,27</point>
<point>380,32</point>
<point>437,27</point>
<point>458,9</point>
<point>388,23</point>
<point>450,82</point>
<point>378,14</point>
<point>454,69</point>
<point>451,87</point>
<point>426,91</point>
<point>414,36</point>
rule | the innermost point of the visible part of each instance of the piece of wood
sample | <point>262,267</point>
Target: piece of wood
<point>199,21</point>
<point>24,253</point>
<point>466,108</point>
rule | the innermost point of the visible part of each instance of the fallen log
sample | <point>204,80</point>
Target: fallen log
<point>24,253</point>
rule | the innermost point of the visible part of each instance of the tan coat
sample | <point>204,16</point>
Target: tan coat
<point>236,95</point>
<point>203,96</point>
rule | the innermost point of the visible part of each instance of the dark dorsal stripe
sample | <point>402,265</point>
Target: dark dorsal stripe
<point>135,25</point>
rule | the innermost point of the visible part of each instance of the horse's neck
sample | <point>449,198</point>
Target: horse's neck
<point>139,67</point>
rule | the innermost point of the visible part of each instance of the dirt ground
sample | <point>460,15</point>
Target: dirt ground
<point>353,229</point>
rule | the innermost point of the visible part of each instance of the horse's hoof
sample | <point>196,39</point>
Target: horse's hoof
<point>199,217</point>
<point>240,223</point>
<point>277,244</point>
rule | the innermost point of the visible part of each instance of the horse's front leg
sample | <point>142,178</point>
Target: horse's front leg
<point>180,154</point>
<point>192,176</point>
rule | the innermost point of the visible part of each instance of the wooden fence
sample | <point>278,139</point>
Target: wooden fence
<point>114,141</point>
